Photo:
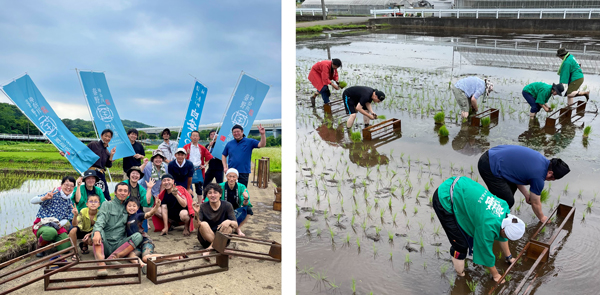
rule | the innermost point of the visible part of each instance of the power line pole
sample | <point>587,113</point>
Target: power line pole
<point>323,9</point>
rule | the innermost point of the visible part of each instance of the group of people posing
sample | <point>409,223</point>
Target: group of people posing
<point>472,216</point>
<point>160,188</point>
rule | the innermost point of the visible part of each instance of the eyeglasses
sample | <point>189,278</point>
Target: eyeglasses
<point>93,202</point>
<point>69,185</point>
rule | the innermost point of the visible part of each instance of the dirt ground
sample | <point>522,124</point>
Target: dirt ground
<point>245,276</point>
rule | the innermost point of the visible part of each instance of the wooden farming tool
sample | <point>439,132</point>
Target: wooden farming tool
<point>540,251</point>
<point>277,202</point>
<point>190,264</point>
<point>93,281</point>
<point>7,275</point>
<point>222,240</point>
<point>476,119</point>
<point>382,129</point>
<point>335,107</point>
<point>565,114</point>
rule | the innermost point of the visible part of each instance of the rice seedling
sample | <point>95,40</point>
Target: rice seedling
<point>353,286</point>
<point>443,131</point>
<point>332,234</point>
<point>508,278</point>
<point>427,187</point>
<point>421,226</point>
<point>348,239</point>
<point>439,117</point>
<point>364,225</point>
<point>338,217</point>
<point>421,243</point>
<point>444,266</point>
<point>407,259</point>
<point>590,204</point>
<point>587,130</point>
<point>381,212</point>
<point>390,236</point>
<point>394,217</point>
<point>404,208</point>
<point>566,188</point>
<point>318,232</point>
<point>307,225</point>
<point>352,221</point>
<point>472,285</point>
<point>583,218</point>
<point>544,196</point>
<point>574,200</point>
<point>356,136</point>
<point>377,230</point>
<point>390,204</point>
<point>374,249</point>
<point>416,210</point>
<point>485,121</point>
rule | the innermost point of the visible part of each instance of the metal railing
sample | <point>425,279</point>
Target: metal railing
<point>311,10</point>
<point>375,12</point>
<point>510,11</point>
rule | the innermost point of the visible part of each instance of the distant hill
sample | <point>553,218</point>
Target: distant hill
<point>12,121</point>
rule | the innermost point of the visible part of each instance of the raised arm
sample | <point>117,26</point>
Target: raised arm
<point>263,136</point>
<point>154,209</point>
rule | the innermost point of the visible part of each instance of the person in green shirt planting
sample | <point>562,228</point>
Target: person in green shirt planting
<point>473,219</point>
<point>570,73</point>
<point>537,95</point>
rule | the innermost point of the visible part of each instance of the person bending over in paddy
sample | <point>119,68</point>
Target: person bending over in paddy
<point>359,99</point>
<point>537,95</point>
<point>82,192</point>
<point>109,235</point>
<point>176,208</point>
<point>55,211</point>
<point>237,195</point>
<point>473,219</point>
<point>570,73</point>
<point>83,222</point>
<point>467,92</point>
<point>212,216</point>
<point>321,75</point>
<point>505,168</point>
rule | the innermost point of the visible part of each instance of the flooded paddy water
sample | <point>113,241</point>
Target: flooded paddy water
<point>364,222</point>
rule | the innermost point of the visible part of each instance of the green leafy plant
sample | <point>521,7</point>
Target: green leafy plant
<point>343,84</point>
<point>587,130</point>
<point>472,285</point>
<point>443,131</point>
<point>485,121</point>
<point>356,136</point>
<point>544,195</point>
<point>439,117</point>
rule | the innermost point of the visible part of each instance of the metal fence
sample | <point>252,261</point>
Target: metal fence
<point>527,3</point>
<point>563,13</point>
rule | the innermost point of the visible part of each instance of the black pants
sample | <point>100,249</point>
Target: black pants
<point>459,241</point>
<point>213,174</point>
<point>198,189</point>
<point>103,185</point>
<point>243,179</point>
<point>498,186</point>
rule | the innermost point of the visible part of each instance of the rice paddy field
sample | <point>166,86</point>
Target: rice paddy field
<point>364,221</point>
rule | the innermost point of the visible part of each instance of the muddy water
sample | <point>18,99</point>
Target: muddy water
<point>386,184</point>
<point>16,210</point>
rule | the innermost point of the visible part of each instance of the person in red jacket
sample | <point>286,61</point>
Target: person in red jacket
<point>199,156</point>
<point>321,75</point>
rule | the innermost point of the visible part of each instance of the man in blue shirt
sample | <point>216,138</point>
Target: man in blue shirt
<point>239,152</point>
<point>468,90</point>
<point>505,168</point>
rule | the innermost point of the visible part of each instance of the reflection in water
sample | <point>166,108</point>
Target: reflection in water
<point>471,140</point>
<point>362,153</point>
<point>551,142</point>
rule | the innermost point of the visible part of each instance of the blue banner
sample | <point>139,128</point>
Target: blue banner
<point>243,109</point>
<point>192,119</point>
<point>105,113</point>
<point>32,103</point>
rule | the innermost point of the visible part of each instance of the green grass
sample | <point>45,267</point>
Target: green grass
<point>439,117</point>
<point>320,29</point>
<point>443,131</point>
<point>274,153</point>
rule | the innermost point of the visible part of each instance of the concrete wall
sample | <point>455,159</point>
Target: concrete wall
<point>472,25</point>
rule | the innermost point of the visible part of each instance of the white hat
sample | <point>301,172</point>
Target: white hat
<point>181,150</point>
<point>232,170</point>
<point>513,226</point>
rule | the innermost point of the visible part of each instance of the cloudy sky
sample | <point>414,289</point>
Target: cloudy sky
<point>147,49</point>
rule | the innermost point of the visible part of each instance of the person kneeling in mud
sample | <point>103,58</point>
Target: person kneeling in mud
<point>359,99</point>
<point>212,216</point>
<point>109,235</point>
<point>473,219</point>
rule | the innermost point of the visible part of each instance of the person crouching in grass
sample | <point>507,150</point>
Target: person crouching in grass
<point>212,216</point>
<point>83,222</point>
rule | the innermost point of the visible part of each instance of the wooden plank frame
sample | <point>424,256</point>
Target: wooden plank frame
<point>153,273</point>
<point>565,114</point>
<point>36,265</point>
<point>334,107</point>
<point>540,251</point>
<point>492,113</point>
<point>382,129</point>
<point>221,241</point>
<point>110,280</point>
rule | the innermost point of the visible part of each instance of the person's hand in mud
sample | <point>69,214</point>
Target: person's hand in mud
<point>335,85</point>
<point>374,115</point>
<point>464,114</point>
